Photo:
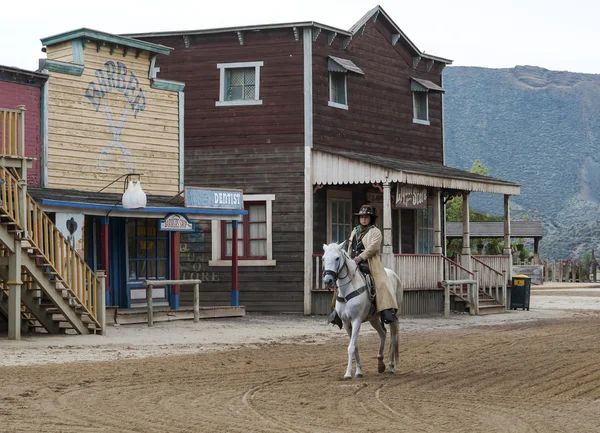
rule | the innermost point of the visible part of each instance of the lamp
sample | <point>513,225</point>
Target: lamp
<point>134,197</point>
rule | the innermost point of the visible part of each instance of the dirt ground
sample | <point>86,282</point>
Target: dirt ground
<point>523,371</point>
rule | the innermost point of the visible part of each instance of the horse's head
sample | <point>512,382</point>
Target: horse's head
<point>334,260</point>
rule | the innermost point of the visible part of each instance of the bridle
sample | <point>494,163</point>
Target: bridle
<point>336,275</point>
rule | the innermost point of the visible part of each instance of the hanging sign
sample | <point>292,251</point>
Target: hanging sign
<point>411,197</point>
<point>177,223</point>
<point>214,198</point>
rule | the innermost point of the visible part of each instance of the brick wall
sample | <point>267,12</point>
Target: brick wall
<point>11,96</point>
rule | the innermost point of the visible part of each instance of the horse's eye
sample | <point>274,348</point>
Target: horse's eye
<point>337,259</point>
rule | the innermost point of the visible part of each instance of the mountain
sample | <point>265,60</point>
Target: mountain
<point>538,128</point>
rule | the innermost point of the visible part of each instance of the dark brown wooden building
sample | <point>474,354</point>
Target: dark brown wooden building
<point>312,122</point>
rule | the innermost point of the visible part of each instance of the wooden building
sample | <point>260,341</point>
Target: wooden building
<point>312,122</point>
<point>106,123</point>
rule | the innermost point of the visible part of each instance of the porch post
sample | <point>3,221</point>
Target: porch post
<point>104,252</point>
<point>235,293</point>
<point>388,253</point>
<point>437,230</point>
<point>507,247</point>
<point>437,222</point>
<point>466,248</point>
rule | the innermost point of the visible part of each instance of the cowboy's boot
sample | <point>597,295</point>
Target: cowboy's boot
<point>388,316</point>
<point>334,319</point>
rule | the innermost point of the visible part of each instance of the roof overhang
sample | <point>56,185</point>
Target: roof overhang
<point>494,229</point>
<point>95,35</point>
<point>421,85</point>
<point>336,64</point>
<point>339,168</point>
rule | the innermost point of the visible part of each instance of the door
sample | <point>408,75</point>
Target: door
<point>117,260</point>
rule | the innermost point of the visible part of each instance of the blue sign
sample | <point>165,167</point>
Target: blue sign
<point>214,198</point>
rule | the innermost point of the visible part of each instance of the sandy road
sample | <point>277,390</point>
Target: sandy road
<point>532,371</point>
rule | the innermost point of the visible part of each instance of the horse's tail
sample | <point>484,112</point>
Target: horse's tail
<point>394,346</point>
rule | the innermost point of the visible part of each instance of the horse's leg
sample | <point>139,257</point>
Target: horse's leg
<point>375,323</point>
<point>355,330</point>
<point>394,352</point>
<point>348,328</point>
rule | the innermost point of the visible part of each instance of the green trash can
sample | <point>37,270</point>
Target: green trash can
<point>520,292</point>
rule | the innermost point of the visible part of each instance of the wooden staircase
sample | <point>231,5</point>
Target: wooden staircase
<point>483,290</point>
<point>59,292</point>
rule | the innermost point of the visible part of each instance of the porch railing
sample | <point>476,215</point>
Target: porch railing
<point>499,263</point>
<point>453,272</point>
<point>418,271</point>
<point>50,248</point>
<point>491,281</point>
<point>10,128</point>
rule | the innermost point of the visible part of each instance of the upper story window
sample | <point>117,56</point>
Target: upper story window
<point>420,89</point>
<point>338,80</point>
<point>337,90</point>
<point>239,83</point>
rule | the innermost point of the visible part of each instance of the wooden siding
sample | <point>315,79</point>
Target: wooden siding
<point>79,129</point>
<point>379,119</point>
<point>62,52</point>
<point>256,148</point>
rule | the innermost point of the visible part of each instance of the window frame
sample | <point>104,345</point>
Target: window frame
<point>415,118</point>
<point>217,228</point>
<point>223,67</point>
<point>330,102</point>
<point>341,195</point>
<point>159,236</point>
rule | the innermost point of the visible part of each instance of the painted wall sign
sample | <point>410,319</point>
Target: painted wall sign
<point>214,198</point>
<point>124,81</point>
<point>177,223</point>
<point>410,196</point>
<point>72,227</point>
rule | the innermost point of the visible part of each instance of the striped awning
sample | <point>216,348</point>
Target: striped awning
<point>335,64</point>
<point>421,85</point>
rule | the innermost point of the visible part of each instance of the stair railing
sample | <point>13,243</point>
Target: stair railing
<point>10,125</point>
<point>62,261</point>
<point>491,282</point>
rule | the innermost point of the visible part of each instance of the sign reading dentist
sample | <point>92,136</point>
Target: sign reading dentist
<point>214,198</point>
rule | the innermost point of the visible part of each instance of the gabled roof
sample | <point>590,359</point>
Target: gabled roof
<point>95,35</point>
<point>378,11</point>
<point>375,13</point>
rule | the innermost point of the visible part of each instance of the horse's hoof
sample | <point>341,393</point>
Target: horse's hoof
<point>391,373</point>
<point>348,376</point>
<point>381,368</point>
<point>358,375</point>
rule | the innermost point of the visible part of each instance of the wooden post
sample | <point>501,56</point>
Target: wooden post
<point>235,292</point>
<point>507,247</point>
<point>466,247</point>
<point>14,293</point>
<point>387,254</point>
<point>504,292</point>
<point>101,301</point>
<point>476,292</point>
<point>196,302</point>
<point>149,304</point>
<point>446,299</point>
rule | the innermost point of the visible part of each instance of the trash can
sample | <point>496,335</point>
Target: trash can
<point>520,292</point>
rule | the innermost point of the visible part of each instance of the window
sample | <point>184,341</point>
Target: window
<point>339,215</point>
<point>147,250</point>
<point>420,108</point>
<point>239,83</point>
<point>425,231</point>
<point>338,90</point>
<point>255,235</point>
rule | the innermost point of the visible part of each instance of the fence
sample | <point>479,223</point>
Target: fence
<point>569,271</point>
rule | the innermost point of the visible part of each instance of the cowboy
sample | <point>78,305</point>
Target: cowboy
<point>364,248</point>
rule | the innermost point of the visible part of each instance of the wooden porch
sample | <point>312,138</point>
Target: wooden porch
<point>433,282</point>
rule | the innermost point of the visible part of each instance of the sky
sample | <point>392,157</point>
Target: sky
<point>552,34</point>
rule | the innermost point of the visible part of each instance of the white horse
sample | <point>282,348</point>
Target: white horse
<point>354,302</point>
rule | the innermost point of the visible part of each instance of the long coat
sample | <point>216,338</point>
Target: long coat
<point>386,298</point>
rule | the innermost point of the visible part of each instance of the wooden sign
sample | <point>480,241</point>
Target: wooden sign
<point>177,223</point>
<point>214,198</point>
<point>411,197</point>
